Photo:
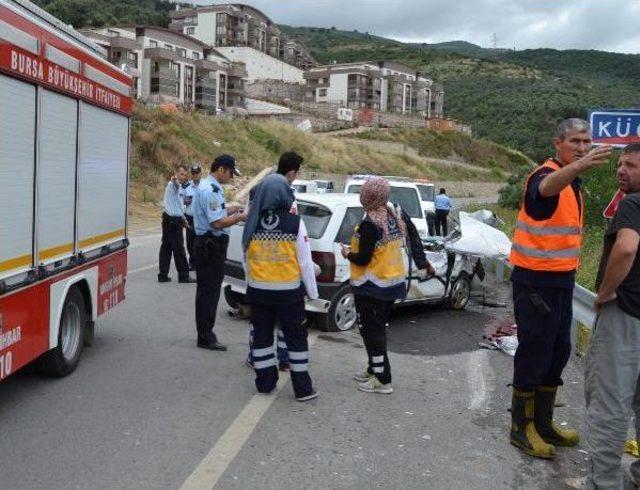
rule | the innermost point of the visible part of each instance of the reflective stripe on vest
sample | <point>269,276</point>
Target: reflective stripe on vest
<point>553,244</point>
<point>272,260</point>
<point>387,267</point>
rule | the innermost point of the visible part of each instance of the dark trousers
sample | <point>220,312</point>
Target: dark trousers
<point>544,339</point>
<point>373,316</point>
<point>172,244</point>
<point>210,254</point>
<point>191,238</point>
<point>441,222</point>
<point>431,223</point>
<point>263,318</point>
<point>281,346</point>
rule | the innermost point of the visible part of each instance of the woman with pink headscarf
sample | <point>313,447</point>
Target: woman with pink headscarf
<point>378,274</point>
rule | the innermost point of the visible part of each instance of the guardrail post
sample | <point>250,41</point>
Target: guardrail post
<point>500,270</point>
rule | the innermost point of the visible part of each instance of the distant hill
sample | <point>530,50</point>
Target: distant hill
<point>98,13</point>
<point>511,97</point>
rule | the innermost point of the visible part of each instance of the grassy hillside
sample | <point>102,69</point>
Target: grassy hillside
<point>98,13</point>
<point>511,97</point>
<point>161,140</point>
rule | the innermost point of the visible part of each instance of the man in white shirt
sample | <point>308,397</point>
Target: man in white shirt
<point>173,221</point>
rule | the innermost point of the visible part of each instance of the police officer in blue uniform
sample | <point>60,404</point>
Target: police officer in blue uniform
<point>212,219</point>
<point>173,221</point>
<point>190,190</point>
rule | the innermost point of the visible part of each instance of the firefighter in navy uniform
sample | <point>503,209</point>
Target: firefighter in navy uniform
<point>279,272</point>
<point>212,219</point>
<point>545,255</point>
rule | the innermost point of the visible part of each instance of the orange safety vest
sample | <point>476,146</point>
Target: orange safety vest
<point>551,245</point>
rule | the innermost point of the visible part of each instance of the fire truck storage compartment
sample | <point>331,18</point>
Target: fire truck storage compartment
<point>17,162</point>
<point>56,177</point>
<point>102,200</point>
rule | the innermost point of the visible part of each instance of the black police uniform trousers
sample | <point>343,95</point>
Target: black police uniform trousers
<point>210,253</point>
<point>373,316</point>
<point>291,316</point>
<point>544,337</point>
<point>442,228</point>
<point>191,238</point>
<point>172,244</point>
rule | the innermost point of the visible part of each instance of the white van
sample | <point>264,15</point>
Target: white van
<point>403,192</point>
<point>325,186</point>
<point>304,186</point>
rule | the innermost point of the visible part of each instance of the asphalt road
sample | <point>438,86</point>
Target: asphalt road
<point>146,409</point>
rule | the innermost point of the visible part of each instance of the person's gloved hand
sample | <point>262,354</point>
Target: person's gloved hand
<point>428,271</point>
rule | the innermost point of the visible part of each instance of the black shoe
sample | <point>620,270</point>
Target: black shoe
<point>310,396</point>
<point>164,278</point>
<point>212,346</point>
<point>187,280</point>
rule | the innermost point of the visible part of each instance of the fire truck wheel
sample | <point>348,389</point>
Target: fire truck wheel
<point>62,360</point>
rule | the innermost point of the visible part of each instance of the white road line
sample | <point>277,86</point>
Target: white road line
<point>476,366</point>
<point>222,454</point>
<point>142,269</point>
<point>139,241</point>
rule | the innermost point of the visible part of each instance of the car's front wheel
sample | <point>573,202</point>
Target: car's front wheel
<point>460,292</point>
<point>342,312</point>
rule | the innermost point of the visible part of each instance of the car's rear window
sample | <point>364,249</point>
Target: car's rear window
<point>315,218</point>
<point>352,217</point>
<point>354,189</point>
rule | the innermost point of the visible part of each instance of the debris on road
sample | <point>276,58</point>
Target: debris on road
<point>503,338</point>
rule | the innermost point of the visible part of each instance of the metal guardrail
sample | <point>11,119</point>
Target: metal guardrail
<point>584,313</point>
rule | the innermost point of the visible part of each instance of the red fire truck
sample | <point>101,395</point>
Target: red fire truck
<point>64,147</point>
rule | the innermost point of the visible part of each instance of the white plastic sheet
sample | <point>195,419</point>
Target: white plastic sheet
<point>480,240</point>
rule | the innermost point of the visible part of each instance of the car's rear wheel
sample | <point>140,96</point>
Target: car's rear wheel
<point>460,292</point>
<point>342,312</point>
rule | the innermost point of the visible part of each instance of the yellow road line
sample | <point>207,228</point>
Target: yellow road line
<point>222,454</point>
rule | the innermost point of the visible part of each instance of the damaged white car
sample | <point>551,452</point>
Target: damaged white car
<point>330,220</point>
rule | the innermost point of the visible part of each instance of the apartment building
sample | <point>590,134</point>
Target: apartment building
<point>168,66</point>
<point>386,86</point>
<point>297,54</point>
<point>240,26</point>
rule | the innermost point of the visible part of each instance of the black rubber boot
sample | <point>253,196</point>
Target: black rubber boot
<point>523,430</point>
<point>545,401</point>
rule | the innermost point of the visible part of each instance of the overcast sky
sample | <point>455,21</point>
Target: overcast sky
<point>608,25</point>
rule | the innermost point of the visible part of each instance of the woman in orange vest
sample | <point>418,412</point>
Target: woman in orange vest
<point>545,255</point>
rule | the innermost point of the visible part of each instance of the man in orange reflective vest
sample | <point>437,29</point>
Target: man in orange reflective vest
<point>545,255</point>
